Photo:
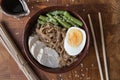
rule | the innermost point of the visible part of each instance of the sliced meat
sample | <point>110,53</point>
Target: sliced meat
<point>36,47</point>
<point>50,58</point>
<point>32,39</point>
<point>40,56</point>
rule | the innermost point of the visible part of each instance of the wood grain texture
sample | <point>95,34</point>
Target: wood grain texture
<point>88,69</point>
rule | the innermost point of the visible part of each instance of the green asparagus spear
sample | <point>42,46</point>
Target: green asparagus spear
<point>50,21</point>
<point>57,12</point>
<point>69,21</point>
<point>43,18</point>
<point>41,22</point>
<point>66,25</point>
<point>51,17</point>
<point>73,18</point>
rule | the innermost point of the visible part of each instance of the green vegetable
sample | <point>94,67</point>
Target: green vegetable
<point>43,18</point>
<point>73,18</point>
<point>66,25</point>
<point>41,22</point>
<point>51,17</point>
<point>57,12</point>
<point>69,21</point>
<point>59,17</point>
<point>50,21</point>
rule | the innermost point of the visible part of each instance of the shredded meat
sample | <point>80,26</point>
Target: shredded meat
<point>53,37</point>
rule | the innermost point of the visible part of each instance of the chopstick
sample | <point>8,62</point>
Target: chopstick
<point>103,46</point>
<point>96,48</point>
<point>16,54</point>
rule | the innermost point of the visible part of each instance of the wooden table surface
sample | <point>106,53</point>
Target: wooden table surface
<point>88,69</point>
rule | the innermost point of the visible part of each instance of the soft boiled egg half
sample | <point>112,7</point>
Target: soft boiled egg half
<point>74,41</point>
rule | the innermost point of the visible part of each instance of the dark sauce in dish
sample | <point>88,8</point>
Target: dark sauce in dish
<point>13,7</point>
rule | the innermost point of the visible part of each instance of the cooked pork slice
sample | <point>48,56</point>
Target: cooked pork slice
<point>40,55</point>
<point>32,39</point>
<point>50,58</point>
<point>36,47</point>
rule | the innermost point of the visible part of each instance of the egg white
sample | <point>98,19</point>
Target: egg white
<point>73,51</point>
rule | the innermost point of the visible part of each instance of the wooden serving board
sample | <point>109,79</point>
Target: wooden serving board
<point>88,69</point>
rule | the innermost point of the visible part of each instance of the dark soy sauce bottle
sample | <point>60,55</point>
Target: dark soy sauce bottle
<point>15,7</point>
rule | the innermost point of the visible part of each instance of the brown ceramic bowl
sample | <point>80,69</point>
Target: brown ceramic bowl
<point>30,26</point>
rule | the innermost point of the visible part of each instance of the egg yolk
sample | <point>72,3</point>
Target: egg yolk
<point>74,37</point>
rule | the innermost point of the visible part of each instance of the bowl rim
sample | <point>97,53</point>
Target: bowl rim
<point>34,62</point>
